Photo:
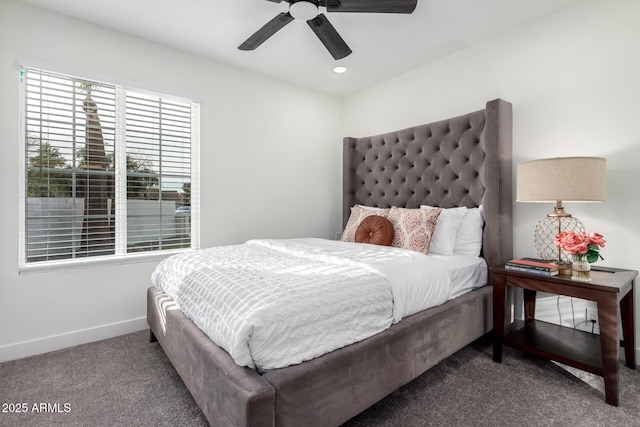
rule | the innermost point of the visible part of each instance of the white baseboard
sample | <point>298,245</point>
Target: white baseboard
<point>58,342</point>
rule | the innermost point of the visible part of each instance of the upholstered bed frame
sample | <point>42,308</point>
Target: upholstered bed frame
<point>463,161</point>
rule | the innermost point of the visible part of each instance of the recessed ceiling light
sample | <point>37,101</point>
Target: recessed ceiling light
<point>340,69</point>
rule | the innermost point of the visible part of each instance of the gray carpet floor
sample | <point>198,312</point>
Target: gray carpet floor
<point>127,381</point>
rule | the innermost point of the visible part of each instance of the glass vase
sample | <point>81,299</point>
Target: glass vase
<point>581,269</point>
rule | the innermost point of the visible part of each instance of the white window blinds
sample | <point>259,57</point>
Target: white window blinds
<point>107,171</point>
<point>158,135</point>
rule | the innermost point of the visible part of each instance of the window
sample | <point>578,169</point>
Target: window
<point>108,171</point>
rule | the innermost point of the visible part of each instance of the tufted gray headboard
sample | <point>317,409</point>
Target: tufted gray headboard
<point>462,161</point>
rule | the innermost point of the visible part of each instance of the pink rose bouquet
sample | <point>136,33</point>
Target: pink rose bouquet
<point>587,243</point>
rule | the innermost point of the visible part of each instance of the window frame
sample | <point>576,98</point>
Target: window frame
<point>121,255</point>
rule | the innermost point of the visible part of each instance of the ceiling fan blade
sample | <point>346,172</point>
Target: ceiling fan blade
<point>329,37</point>
<point>267,30</point>
<point>368,6</point>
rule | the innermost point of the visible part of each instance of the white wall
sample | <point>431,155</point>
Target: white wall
<point>258,134</point>
<point>574,81</point>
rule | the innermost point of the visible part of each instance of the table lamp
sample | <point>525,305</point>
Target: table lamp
<point>557,180</point>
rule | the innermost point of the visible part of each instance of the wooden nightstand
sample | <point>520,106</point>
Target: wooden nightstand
<point>610,288</point>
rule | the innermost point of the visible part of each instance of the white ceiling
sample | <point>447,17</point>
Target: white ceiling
<point>384,45</point>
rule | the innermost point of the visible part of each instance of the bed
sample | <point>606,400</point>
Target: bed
<point>462,161</point>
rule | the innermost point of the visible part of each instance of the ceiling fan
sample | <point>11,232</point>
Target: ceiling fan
<point>308,10</point>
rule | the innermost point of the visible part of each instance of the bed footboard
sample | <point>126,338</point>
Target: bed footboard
<point>339,385</point>
<point>229,395</point>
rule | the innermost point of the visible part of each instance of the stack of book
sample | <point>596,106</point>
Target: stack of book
<point>533,266</point>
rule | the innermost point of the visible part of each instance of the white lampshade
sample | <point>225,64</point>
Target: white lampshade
<point>568,179</point>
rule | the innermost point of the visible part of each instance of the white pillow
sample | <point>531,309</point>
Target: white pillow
<point>447,225</point>
<point>469,237</point>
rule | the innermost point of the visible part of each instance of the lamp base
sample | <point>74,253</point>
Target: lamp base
<point>545,233</point>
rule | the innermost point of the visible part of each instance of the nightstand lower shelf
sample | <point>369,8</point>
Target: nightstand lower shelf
<point>569,346</point>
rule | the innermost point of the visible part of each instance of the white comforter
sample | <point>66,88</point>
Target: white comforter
<point>275,303</point>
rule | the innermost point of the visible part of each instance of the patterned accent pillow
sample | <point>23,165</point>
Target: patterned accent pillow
<point>358,213</point>
<point>413,228</point>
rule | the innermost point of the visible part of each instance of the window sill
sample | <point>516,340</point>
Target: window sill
<point>74,264</point>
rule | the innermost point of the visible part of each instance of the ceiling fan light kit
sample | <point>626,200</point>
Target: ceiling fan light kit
<point>309,10</point>
<point>303,9</point>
